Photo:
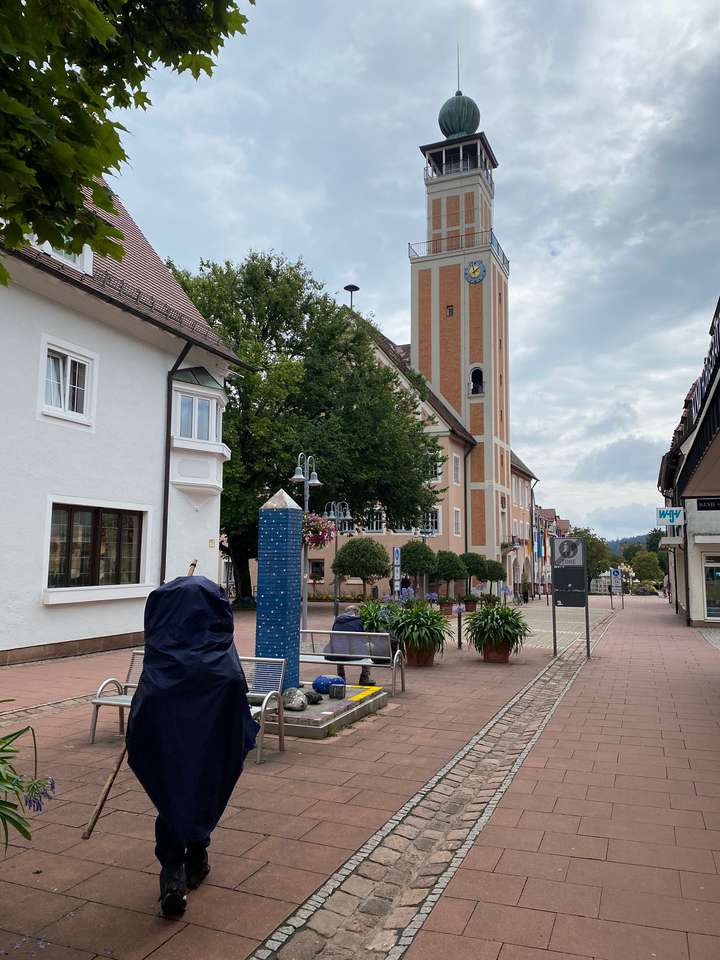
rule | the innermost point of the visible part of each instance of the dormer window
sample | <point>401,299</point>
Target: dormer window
<point>477,385</point>
<point>83,262</point>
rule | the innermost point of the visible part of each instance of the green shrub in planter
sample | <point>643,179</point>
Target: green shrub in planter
<point>378,616</point>
<point>489,600</point>
<point>496,631</point>
<point>421,631</point>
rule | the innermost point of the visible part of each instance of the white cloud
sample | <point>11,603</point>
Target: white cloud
<point>604,118</point>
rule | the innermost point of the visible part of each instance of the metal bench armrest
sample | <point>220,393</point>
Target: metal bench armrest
<point>118,686</point>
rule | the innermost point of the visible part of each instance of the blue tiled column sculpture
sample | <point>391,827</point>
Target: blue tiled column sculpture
<point>277,632</point>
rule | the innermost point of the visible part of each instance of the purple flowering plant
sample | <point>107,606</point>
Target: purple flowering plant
<point>20,793</point>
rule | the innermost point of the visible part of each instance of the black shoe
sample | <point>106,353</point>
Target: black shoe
<point>365,680</point>
<point>196,868</point>
<point>173,890</point>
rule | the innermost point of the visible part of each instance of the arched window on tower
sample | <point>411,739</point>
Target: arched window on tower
<point>476,381</point>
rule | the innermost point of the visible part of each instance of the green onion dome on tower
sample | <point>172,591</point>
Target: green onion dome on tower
<point>459,116</point>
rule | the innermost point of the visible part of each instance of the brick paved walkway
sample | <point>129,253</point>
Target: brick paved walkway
<point>292,821</point>
<point>607,843</point>
<point>398,836</point>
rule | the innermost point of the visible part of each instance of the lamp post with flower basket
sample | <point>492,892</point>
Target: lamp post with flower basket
<point>340,515</point>
<point>306,474</point>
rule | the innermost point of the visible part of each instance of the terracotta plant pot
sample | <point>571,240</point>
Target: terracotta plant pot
<point>420,658</point>
<point>498,654</point>
<point>470,606</point>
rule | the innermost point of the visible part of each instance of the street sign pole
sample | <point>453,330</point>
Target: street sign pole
<point>396,572</point>
<point>554,621</point>
<point>587,607</point>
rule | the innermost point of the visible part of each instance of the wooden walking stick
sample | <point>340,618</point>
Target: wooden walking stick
<point>102,799</point>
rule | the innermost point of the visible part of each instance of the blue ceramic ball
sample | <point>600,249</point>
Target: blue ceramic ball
<point>322,684</point>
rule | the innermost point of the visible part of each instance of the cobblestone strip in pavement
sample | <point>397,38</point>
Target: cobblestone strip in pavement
<point>379,899</point>
<point>40,709</point>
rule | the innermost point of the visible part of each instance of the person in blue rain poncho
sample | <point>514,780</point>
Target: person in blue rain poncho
<point>189,728</point>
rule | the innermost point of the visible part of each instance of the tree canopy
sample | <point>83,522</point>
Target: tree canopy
<point>652,541</point>
<point>646,566</point>
<point>596,550</point>
<point>450,567</point>
<point>364,558</point>
<point>66,68</point>
<point>416,558</point>
<point>495,571</point>
<point>318,388</point>
<point>475,564</point>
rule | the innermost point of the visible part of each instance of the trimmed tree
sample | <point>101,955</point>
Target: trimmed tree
<point>450,568</point>
<point>476,566</point>
<point>646,567</point>
<point>417,559</point>
<point>495,572</point>
<point>364,558</point>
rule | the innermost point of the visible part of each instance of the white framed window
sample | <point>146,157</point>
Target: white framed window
<point>457,521</point>
<point>431,521</point>
<point>711,584</point>
<point>437,471</point>
<point>198,418</point>
<point>527,529</point>
<point>456,469</point>
<point>514,490</point>
<point>67,384</point>
<point>80,261</point>
<point>515,531</point>
<point>374,521</point>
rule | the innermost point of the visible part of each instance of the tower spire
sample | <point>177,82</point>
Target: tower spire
<point>458,64</point>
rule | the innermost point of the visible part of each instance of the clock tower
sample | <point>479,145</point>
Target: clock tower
<point>459,326</point>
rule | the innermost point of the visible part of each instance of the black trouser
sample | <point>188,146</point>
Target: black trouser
<point>170,849</point>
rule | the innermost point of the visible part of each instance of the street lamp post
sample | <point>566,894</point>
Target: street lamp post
<point>306,474</point>
<point>340,514</point>
<point>351,288</point>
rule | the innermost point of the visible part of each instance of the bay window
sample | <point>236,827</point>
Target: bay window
<point>199,418</point>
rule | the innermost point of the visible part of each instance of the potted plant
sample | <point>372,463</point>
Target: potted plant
<point>449,568</point>
<point>421,631</point>
<point>496,631</point>
<point>470,602</point>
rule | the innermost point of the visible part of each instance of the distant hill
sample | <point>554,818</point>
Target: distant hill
<point>615,545</point>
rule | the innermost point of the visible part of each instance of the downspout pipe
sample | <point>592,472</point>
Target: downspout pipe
<point>168,439</point>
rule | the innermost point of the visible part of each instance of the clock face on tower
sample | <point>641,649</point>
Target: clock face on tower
<point>475,271</point>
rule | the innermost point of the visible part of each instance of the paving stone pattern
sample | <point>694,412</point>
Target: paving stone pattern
<point>381,896</point>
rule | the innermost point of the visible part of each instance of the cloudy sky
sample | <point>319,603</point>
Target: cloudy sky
<point>604,119</point>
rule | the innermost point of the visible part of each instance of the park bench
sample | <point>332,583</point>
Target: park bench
<point>316,646</point>
<point>264,678</point>
<point>122,696</point>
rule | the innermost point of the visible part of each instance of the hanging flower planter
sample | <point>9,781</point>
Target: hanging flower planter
<point>317,531</point>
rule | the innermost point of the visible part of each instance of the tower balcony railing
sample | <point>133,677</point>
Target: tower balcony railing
<point>469,240</point>
<point>433,170</point>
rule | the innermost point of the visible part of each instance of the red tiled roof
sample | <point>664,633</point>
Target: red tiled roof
<point>397,354</point>
<point>140,284</point>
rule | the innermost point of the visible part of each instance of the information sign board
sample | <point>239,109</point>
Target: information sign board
<point>396,570</point>
<point>670,516</point>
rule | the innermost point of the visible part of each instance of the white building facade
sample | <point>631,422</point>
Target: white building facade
<point>113,454</point>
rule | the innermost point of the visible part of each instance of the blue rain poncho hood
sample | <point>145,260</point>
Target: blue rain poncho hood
<point>190,726</point>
